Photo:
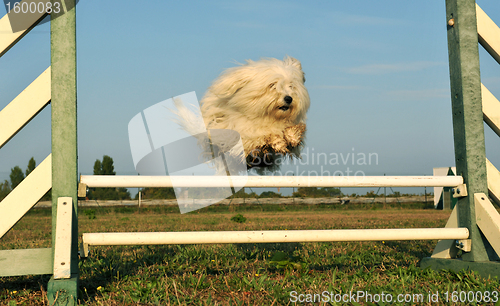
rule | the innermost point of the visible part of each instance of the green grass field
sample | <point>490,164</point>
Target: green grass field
<point>252,274</point>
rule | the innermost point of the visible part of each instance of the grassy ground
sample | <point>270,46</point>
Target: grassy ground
<point>250,274</point>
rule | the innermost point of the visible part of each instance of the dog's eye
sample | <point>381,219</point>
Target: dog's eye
<point>271,86</point>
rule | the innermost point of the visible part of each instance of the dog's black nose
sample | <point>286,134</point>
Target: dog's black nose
<point>288,99</point>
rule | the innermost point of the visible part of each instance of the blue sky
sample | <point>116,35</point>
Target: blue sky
<point>377,75</point>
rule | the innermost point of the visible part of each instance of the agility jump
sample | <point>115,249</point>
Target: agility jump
<point>474,225</point>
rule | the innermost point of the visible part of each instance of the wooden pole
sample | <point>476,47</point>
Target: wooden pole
<point>64,141</point>
<point>131,181</point>
<point>158,238</point>
<point>468,131</point>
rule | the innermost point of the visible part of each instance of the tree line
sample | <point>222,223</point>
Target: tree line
<point>16,177</point>
<point>106,167</point>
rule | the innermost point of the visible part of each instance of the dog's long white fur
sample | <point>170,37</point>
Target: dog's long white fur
<point>188,120</point>
<point>250,99</point>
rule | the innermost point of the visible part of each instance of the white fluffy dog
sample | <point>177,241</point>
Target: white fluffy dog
<point>264,101</point>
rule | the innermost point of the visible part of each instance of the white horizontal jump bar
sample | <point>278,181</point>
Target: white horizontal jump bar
<point>274,236</point>
<point>129,181</point>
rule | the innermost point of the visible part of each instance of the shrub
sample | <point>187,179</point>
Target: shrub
<point>238,218</point>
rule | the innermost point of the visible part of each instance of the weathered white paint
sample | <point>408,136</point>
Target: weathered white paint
<point>488,220</point>
<point>446,248</point>
<point>491,109</point>
<point>62,246</point>
<point>25,106</point>
<point>493,177</point>
<point>489,33</point>
<point>25,195</point>
<point>271,236</point>
<point>130,181</point>
<point>8,38</point>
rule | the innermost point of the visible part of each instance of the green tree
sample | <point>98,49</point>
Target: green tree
<point>123,193</point>
<point>270,194</point>
<point>98,168</point>
<point>16,176</point>
<point>314,192</point>
<point>157,193</point>
<point>396,194</point>
<point>303,192</point>
<point>371,194</point>
<point>31,166</point>
<point>330,192</point>
<point>106,168</point>
<point>29,169</point>
<point>4,189</point>
<point>241,194</point>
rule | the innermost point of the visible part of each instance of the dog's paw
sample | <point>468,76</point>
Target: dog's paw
<point>293,134</point>
<point>277,143</point>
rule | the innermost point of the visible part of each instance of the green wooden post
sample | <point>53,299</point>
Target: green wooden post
<point>64,141</point>
<point>468,132</point>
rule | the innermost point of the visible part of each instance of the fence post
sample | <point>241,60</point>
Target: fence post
<point>468,133</point>
<point>64,141</point>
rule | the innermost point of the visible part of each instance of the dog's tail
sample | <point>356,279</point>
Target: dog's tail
<point>189,120</point>
<point>213,144</point>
